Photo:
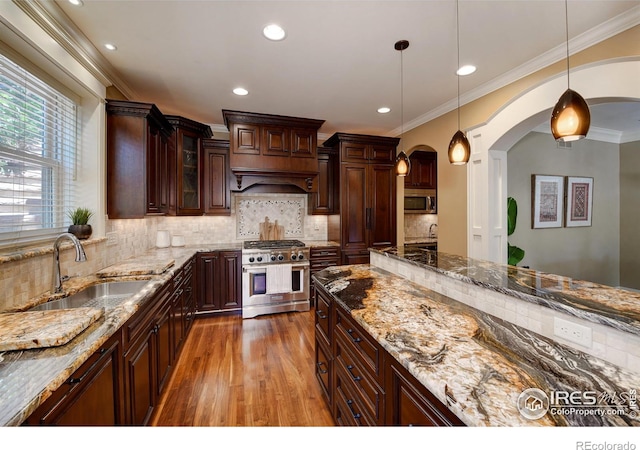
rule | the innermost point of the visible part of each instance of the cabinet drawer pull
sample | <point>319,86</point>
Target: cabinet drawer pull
<point>320,369</point>
<point>354,339</point>
<point>102,351</point>
<point>353,413</point>
<point>320,314</point>
<point>355,377</point>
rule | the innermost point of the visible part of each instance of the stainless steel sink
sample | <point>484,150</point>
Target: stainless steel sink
<point>106,295</point>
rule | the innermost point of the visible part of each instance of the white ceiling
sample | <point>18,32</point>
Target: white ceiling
<point>338,62</point>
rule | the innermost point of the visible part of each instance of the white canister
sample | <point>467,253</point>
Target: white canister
<point>177,241</point>
<point>163,239</point>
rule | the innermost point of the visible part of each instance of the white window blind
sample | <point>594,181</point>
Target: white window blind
<point>38,136</point>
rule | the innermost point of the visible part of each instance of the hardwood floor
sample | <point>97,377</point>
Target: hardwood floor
<point>252,372</point>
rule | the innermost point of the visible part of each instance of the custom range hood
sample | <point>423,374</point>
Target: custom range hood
<point>272,150</point>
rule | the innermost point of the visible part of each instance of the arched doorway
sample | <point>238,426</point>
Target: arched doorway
<point>487,170</point>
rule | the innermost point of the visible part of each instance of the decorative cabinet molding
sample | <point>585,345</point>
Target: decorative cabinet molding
<point>271,149</point>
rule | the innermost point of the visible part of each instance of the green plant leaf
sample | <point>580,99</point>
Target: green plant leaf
<point>516,254</point>
<point>512,215</point>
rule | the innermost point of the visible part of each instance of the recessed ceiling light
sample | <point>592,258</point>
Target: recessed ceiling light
<point>76,2</point>
<point>110,47</point>
<point>466,70</point>
<point>384,110</point>
<point>240,91</point>
<point>274,32</point>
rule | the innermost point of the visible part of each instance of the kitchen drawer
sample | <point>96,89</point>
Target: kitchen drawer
<point>323,369</point>
<point>360,343</point>
<point>347,408</point>
<point>323,317</point>
<point>324,253</point>
<point>316,266</point>
<point>370,395</point>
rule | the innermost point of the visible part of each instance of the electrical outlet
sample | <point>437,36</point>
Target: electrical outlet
<point>112,239</point>
<point>571,331</point>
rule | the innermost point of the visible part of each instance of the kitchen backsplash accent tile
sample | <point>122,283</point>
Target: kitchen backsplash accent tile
<point>287,209</point>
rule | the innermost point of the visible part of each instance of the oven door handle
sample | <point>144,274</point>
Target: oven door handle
<point>262,269</point>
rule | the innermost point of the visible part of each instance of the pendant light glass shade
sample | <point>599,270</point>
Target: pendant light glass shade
<point>459,149</point>
<point>403,165</point>
<point>571,118</point>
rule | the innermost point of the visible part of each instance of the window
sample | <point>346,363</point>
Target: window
<point>38,137</point>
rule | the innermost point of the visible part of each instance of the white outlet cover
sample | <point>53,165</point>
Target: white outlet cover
<point>573,332</point>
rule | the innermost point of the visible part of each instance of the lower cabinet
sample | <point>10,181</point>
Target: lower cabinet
<point>361,382</point>
<point>413,404</point>
<point>147,358</point>
<point>219,275</point>
<point>91,396</point>
<point>320,258</point>
<point>122,382</point>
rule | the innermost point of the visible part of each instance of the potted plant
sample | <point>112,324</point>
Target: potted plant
<point>80,227</point>
<point>515,254</point>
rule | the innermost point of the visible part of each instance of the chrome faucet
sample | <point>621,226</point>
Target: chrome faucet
<point>431,233</point>
<point>56,285</point>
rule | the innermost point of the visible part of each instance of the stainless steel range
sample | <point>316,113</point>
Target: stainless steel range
<point>275,277</point>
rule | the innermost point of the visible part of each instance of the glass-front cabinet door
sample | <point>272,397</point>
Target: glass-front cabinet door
<point>185,166</point>
<point>190,183</point>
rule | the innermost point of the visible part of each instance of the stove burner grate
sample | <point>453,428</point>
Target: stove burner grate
<point>265,245</point>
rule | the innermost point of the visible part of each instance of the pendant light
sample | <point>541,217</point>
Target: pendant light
<point>403,164</point>
<point>570,118</point>
<point>459,148</point>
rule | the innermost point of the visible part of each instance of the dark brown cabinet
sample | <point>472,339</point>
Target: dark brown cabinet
<point>320,258</point>
<point>264,147</point>
<point>361,382</point>
<point>147,357</point>
<point>367,180</point>
<point>413,404</point>
<point>326,200</point>
<point>137,161</point>
<point>424,171</point>
<point>184,167</point>
<point>219,276</point>
<point>217,175</point>
<point>91,396</point>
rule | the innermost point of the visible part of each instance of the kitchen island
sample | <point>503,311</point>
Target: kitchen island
<point>475,363</point>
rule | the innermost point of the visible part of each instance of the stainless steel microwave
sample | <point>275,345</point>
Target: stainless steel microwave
<point>420,201</point>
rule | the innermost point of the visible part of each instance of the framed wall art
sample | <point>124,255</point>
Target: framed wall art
<point>579,201</point>
<point>547,201</point>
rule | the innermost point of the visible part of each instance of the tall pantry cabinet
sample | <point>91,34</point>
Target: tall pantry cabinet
<point>366,216</point>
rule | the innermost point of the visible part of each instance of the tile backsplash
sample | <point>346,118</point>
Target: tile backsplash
<point>417,225</point>
<point>29,276</point>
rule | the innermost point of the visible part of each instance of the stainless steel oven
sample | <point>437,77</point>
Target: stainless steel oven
<point>275,277</point>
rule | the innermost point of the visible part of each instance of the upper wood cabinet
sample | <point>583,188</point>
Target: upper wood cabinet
<point>424,171</point>
<point>184,174</point>
<point>217,174</point>
<point>367,180</point>
<point>266,149</point>
<point>137,161</point>
<point>326,199</point>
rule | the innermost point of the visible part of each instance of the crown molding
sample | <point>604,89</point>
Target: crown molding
<point>49,17</point>
<point>602,32</point>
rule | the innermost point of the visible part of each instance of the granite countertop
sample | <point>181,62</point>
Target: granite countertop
<point>617,308</point>
<point>476,364</point>
<point>47,368</point>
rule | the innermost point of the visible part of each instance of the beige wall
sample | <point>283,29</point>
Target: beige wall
<point>585,253</point>
<point>630,214</point>
<point>452,180</point>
